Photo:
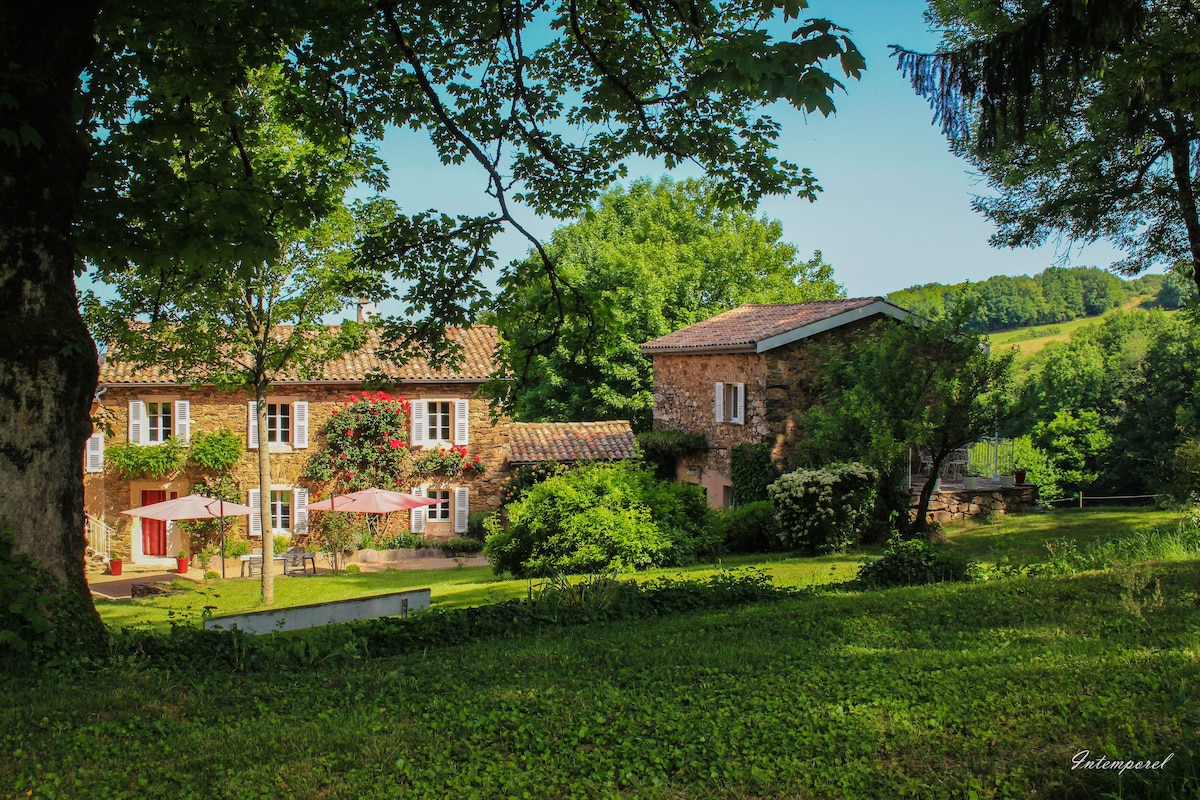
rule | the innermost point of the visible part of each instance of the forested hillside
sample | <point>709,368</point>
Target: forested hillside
<point>1055,295</point>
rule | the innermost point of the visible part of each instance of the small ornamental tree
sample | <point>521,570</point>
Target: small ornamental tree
<point>366,444</point>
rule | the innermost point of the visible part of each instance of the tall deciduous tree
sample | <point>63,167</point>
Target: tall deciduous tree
<point>645,261</point>
<point>547,97</point>
<point>1081,115</point>
<point>930,386</point>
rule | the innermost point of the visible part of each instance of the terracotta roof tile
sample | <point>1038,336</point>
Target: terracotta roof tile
<point>531,442</point>
<point>745,326</point>
<point>478,345</point>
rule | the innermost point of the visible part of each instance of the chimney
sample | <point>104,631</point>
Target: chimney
<point>366,309</point>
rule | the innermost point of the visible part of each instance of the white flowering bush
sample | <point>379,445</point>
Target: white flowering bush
<point>824,509</point>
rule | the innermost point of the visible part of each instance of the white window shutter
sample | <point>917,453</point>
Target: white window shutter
<point>95,453</point>
<point>183,420</point>
<point>255,516</point>
<point>719,401</point>
<point>462,421</point>
<point>137,421</point>
<point>417,518</point>
<point>300,423</point>
<point>741,404</point>
<point>418,422</point>
<point>462,508</point>
<point>252,425</point>
<point>300,511</point>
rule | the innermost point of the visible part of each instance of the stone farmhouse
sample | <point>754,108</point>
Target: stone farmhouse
<point>741,376</point>
<point>146,406</point>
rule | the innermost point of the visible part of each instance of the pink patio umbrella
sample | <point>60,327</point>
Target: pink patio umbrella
<point>194,506</point>
<point>372,501</point>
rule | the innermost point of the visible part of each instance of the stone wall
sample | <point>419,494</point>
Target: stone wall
<point>947,505</point>
<point>106,494</point>
<point>684,385</point>
<point>779,383</point>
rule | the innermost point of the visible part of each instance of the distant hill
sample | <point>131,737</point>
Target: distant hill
<point>1053,297</point>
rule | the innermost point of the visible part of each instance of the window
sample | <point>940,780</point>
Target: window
<point>440,422</point>
<point>440,512</point>
<point>729,402</point>
<point>158,422</point>
<point>438,413</point>
<point>727,497</point>
<point>281,510</point>
<point>279,422</point>
<point>154,421</point>
<point>287,424</point>
<point>443,511</point>
<point>289,510</point>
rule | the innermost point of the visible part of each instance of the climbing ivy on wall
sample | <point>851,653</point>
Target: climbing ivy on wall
<point>751,471</point>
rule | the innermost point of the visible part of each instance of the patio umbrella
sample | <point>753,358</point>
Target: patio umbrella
<point>372,501</point>
<point>194,506</point>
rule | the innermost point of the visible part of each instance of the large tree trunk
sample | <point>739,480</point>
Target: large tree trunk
<point>48,364</point>
<point>921,518</point>
<point>1181,169</point>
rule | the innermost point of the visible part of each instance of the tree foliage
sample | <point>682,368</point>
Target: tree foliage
<point>548,99</point>
<point>930,387</point>
<point>645,261</point>
<point>1081,115</point>
<point>1110,407</point>
<point>1001,301</point>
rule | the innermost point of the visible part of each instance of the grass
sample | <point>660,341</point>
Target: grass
<point>983,690</point>
<point>1034,338</point>
<point>1005,540</point>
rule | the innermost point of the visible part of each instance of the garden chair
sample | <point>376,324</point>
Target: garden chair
<point>296,561</point>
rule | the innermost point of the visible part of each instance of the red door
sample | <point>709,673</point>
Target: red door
<point>154,531</point>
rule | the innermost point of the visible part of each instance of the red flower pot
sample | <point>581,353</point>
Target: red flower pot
<point>181,565</point>
<point>114,566</point>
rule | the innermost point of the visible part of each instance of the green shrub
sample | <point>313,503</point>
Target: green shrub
<point>236,548</point>
<point>280,545</point>
<point>599,517</point>
<point>752,528</point>
<point>353,569</point>
<point>825,509</point>
<point>460,546</point>
<point>909,562</point>
<point>525,477</point>
<point>663,449</point>
<point>752,472</point>
<point>475,524</point>
<point>403,541</point>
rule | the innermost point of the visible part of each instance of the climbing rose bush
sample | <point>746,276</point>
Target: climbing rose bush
<point>453,461</point>
<point>366,443</point>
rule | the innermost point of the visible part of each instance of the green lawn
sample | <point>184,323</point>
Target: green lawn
<point>1033,338</point>
<point>983,690</point>
<point>1019,539</point>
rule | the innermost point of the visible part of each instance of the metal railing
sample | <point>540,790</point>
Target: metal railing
<point>99,535</point>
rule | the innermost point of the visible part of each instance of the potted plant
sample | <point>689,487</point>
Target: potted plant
<point>971,481</point>
<point>114,566</point>
<point>1019,475</point>
<point>181,562</point>
<point>1007,481</point>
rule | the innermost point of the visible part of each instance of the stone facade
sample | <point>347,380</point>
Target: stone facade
<point>106,493</point>
<point>779,384</point>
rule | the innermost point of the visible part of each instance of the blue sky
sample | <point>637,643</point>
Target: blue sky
<point>896,205</point>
